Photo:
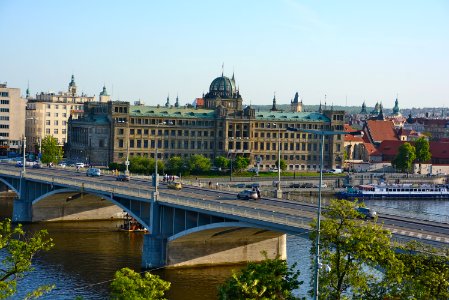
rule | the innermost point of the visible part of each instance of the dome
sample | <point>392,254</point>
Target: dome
<point>223,87</point>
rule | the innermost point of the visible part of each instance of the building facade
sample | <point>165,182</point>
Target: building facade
<point>12,124</point>
<point>48,114</point>
<point>221,126</point>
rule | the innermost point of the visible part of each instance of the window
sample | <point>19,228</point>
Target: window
<point>64,131</point>
<point>64,115</point>
<point>47,122</point>
<point>47,114</point>
<point>56,122</point>
<point>56,115</point>
<point>55,131</point>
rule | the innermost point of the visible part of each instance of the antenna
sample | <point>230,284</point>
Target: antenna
<point>346,104</point>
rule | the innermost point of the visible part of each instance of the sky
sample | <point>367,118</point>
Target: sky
<point>341,52</point>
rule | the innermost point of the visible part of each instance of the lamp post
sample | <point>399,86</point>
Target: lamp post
<point>278,190</point>
<point>24,147</point>
<point>156,175</point>
<point>321,133</point>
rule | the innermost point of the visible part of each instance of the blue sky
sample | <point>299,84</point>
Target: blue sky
<point>350,51</point>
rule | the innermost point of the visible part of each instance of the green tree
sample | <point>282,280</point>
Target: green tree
<point>221,162</point>
<point>283,165</point>
<point>20,249</point>
<point>425,274</point>
<point>270,279</point>
<point>241,163</point>
<point>405,157</point>
<point>422,149</point>
<point>51,151</point>
<point>128,284</point>
<point>198,164</point>
<point>348,246</point>
<point>175,165</point>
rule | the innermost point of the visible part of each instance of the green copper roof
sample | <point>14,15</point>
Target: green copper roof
<point>292,116</point>
<point>173,112</point>
<point>152,111</point>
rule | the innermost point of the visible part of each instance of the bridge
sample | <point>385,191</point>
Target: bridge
<point>193,226</point>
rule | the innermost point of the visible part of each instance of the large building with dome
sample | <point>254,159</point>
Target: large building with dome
<point>219,125</point>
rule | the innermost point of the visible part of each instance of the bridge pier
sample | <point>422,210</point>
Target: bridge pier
<point>22,208</point>
<point>154,251</point>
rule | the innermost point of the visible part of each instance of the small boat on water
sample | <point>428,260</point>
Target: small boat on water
<point>132,225</point>
<point>395,191</point>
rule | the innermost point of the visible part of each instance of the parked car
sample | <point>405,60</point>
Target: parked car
<point>62,164</point>
<point>307,185</point>
<point>19,164</point>
<point>273,170</point>
<point>295,185</point>
<point>323,185</point>
<point>79,165</point>
<point>254,170</point>
<point>37,166</point>
<point>367,212</point>
<point>175,185</point>
<point>122,177</point>
<point>239,185</point>
<point>93,172</point>
<point>247,194</point>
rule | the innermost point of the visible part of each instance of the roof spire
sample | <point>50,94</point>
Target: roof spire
<point>222,69</point>
<point>167,104</point>
<point>177,101</point>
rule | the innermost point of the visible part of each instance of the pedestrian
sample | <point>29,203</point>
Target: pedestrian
<point>210,184</point>
<point>217,185</point>
<point>258,192</point>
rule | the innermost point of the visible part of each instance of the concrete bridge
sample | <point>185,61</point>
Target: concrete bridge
<point>188,227</point>
<point>193,226</point>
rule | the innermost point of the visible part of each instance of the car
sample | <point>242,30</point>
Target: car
<point>366,212</point>
<point>295,185</point>
<point>323,185</point>
<point>62,164</point>
<point>93,172</point>
<point>79,165</point>
<point>239,185</point>
<point>307,185</point>
<point>19,164</point>
<point>273,170</point>
<point>254,170</point>
<point>347,185</point>
<point>122,177</point>
<point>175,185</point>
<point>37,166</point>
<point>247,194</point>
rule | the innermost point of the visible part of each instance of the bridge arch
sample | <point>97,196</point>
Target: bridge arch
<point>9,185</point>
<point>107,197</point>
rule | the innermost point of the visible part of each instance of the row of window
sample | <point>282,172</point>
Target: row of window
<point>56,123</point>
<point>4,126</point>
<point>56,115</point>
<point>4,101</point>
<point>4,109</point>
<point>4,94</point>
<point>56,131</point>
<point>65,107</point>
<point>4,118</point>
<point>203,145</point>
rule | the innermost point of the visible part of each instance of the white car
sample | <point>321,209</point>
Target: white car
<point>93,172</point>
<point>79,165</point>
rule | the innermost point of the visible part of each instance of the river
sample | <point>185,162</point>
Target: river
<point>86,255</point>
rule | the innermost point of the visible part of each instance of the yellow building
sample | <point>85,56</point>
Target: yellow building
<point>219,126</point>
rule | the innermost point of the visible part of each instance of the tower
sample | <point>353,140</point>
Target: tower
<point>363,111</point>
<point>72,86</point>
<point>177,101</point>
<point>274,108</point>
<point>296,105</point>
<point>167,103</point>
<point>396,108</point>
<point>104,96</point>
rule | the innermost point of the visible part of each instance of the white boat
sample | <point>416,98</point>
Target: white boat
<point>396,191</point>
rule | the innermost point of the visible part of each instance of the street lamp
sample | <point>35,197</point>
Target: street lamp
<point>278,190</point>
<point>321,133</point>
<point>24,147</point>
<point>156,175</point>
<point>127,145</point>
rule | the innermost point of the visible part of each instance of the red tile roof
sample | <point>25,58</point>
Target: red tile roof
<point>381,130</point>
<point>439,150</point>
<point>350,137</point>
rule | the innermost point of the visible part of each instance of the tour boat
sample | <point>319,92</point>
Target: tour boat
<point>396,191</point>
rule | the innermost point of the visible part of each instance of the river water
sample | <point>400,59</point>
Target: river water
<point>87,254</point>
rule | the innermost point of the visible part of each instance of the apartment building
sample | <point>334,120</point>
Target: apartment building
<point>220,126</point>
<point>12,115</point>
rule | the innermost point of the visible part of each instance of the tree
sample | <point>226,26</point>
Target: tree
<point>198,164</point>
<point>222,162</point>
<point>128,284</point>
<point>426,272</point>
<point>270,279</point>
<point>175,165</point>
<point>241,163</point>
<point>20,249</point>
<point>348,246</point>
<point>51,151</point>
<point>283,164</point>
<point>405,157</point>
<point>422,149</point>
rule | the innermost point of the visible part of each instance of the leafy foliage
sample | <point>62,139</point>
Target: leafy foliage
<point>175,165</point>
<point>20,249</point>
<point>405,157</point>
<point>222,162</point>
<point>198,164</point>
<point>51,151</point>
<point>270,279</point>
<point>241,163</point>
<point>422,149</point>
<point>128,284</point>
<point>348,246</point>
<point>283,165</point>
